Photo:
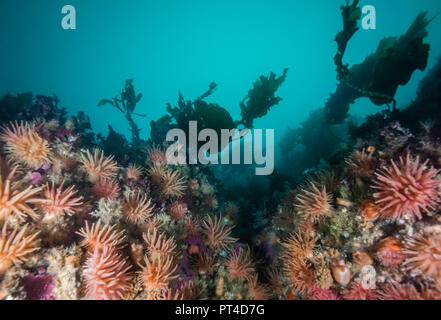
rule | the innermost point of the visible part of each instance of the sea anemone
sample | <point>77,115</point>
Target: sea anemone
<point>300,246</point>
<point>156,172</point>
<point>98,165</point>
<point>157,273</point>
<point>257,291</point>
<point>406,189</point>
<point>137,208</point>
<point>172,185</point>
<point>106,275</point>
<point>24,144</point>
<point>357,292</point>
<point>156,155</point>
<point>133,172</point>
<point>299,274</point>
<point>314,203</point>
<point>15,246</point>
<point>240,265</point>
<point>159,245</point>
<point>317,293</point>
<point>15,201</point>
<point>423,254</point>
<point>99,238</point>
<point>58,202</point>
<point>361,163</point>
<point>390,252</point>
<point>217,234</point>
<point>177,209</point>
<point>106,188</point>
<point>205,263</point>
<point>395,291</point>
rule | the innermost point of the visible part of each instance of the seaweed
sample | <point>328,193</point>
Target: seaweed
<point>126,103</point>
<point>380,74</point>
<point>261,98</point>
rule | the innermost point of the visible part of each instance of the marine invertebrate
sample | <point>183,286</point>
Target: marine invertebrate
<point>396,291</point>
<point>25,145</point>
<point>361,163</point>
<point>97,237</point>
<point>158,245</point>
<point>205,263</point>
<point>106,188</point>
<point>423,254</point>
<point>137,208</point>
<point>58,202</point>
<point>317,293</point>
<point>314,203</point>
<point>299,274</point>
<point>105,275</point>
<point>133,172</point>
<point>15,245</point>
<point>362,258</point>
<point>172,184</point>
<point>14,201</point>
<point>157,273</point>
<point>156,155</point>
<point>406,189</point>
<point>97,165</point>
<point>177,209</point>
<point>368,210</point>
<point>300,246</point>
<point>390,252</point>
<point>240,264</point>
<point>217,234</point>
<point>358,292</point>
<point>257,291</point>
<point>341,272</point>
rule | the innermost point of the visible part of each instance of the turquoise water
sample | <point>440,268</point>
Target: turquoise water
<point>167,46</point>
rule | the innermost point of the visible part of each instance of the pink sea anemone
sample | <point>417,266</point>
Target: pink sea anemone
<point>357,292</point>
<point>106,275</point>
<point>406,189</point>
<point>314,203</point>
<point>423,254</point>
<point>240,265</point>
<point>317,293</point>
<point>106,188</point>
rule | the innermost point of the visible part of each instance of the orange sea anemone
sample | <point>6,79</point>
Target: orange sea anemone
<point>137,208</point>
<point>406,189</point>
<point>158,245</point>
<point>423,254</point>
<point>106,188</point>
<point>299,274</point>
<point>58,202</point>
<point>172,184</point>
<point>15,246</point>
<point>25,145</point>
<point>217,234</point>
<point>14,201</point>
<point>98,237</point>
<point>106,275</point>
<point>300,246</point>
<point>368,210</point>
<point>157,273</point>
<point>240,264</point>
<point>98,165</point>
<point>314,203</point>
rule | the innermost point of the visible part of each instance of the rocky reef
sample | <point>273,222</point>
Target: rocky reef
<point>84,216</point>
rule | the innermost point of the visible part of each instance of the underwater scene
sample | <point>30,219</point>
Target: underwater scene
<point>220,150</point>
